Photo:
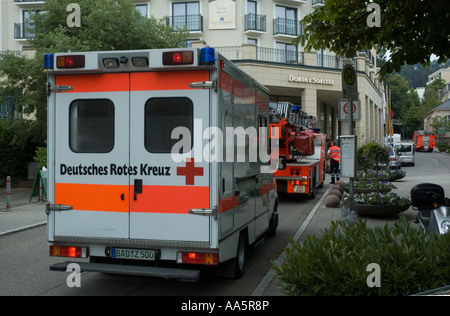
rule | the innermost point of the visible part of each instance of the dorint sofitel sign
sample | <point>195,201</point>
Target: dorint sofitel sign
<point>313,80</point>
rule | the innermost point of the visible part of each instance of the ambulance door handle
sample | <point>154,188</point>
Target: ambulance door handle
<point>137,187</point>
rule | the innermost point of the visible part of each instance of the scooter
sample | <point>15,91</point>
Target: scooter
<point>434,208</point>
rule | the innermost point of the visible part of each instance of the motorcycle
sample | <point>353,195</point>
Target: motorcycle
<point>434,208</point>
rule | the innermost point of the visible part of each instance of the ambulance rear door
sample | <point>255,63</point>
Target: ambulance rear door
<point>165,187</point>
<point>91,156</point>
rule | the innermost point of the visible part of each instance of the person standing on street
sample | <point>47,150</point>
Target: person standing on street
<point>334,152</point>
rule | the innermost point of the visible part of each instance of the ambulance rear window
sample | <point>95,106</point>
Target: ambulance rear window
<point>162,116</point>
<point>91,128</point>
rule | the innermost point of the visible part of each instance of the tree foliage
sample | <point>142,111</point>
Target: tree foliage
<point>105,25</point>
<point>411,31</point>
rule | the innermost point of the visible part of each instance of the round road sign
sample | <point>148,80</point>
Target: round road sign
<point>346,108</point>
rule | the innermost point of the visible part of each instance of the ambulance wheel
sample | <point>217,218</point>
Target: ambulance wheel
<point>241,256</point>
<point>273,224</point>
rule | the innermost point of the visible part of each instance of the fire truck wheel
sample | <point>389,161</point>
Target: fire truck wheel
<point>312,195</point>
<point>241,256</point>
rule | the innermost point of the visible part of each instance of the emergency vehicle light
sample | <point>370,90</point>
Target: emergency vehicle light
<point>70,61</point>
<point>207,56</point>
<point>68,251</point>
<point>178,58</point>
<point>48,61</point>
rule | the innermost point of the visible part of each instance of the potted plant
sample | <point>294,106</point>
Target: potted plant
<point>372,196</point>
<point>378,204</point>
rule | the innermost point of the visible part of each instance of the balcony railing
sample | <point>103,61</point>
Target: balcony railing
<point>193,23</point>
<point>24,30</point>
<point>287,27</point>
<point>274,55</point>
<point>330,61</point>
<point>255,22</point>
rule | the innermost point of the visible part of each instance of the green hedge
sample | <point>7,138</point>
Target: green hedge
<point>410,261</point>
<point>18,141</point>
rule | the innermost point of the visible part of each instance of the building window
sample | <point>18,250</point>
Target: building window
<point>286,53</point>
<point>162,116</point>
<point>143,9</point>
<point>285,21</point>
<point>91,126</point>
<point>186,14</point>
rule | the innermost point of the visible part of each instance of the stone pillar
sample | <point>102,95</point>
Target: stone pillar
<point>309,59</point>
<point>309,101</point>
<point>249,51</point>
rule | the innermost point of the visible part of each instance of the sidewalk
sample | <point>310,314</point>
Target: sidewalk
<point>22,214</point>
<point>321,217</point>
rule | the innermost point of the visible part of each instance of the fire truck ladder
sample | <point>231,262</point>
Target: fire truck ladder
<point>295,116</point>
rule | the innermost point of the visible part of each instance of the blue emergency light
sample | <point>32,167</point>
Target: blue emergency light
<point>207,56</point>
<point>48,61</point>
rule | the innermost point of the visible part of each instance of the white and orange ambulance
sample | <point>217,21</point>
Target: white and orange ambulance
<point>117,195</point>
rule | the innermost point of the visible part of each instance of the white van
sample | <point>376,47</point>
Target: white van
<point>406,152</point>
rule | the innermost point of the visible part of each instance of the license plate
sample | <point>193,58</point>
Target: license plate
<point>299,189</point>
<point>138,254</point>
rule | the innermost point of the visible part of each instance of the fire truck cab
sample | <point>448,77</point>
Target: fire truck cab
<point>138,180</point>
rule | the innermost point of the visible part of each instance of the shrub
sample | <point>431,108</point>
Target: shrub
<point>410,261</point>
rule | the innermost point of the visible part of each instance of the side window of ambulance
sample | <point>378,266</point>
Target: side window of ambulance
<point>91,126</point>
<point>162,116</point>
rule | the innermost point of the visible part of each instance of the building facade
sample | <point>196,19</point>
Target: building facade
<point>257,35</point>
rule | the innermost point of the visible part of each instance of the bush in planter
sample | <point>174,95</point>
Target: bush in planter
<point>410,261</point>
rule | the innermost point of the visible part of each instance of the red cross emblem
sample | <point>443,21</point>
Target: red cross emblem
<point>190,171</point>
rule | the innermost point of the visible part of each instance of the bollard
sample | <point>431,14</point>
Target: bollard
<point>8,193</point>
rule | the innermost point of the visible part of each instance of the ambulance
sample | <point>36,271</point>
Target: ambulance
<point>134,183</point>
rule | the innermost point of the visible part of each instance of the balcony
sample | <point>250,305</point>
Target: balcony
<point>318,3</point>
<point>29,3</point>
<point>286,28</point>
<point>288,57</point>
<point>23,31</point>
<point>255,24</point>
<point>330,61</point>
<point>193,23</point>
<point>291,2</point>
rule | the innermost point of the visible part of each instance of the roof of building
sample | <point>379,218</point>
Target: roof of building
<point>443,106</point>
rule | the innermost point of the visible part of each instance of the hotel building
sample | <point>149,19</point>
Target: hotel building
<point>257,35</point>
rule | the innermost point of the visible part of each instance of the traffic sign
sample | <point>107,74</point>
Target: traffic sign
<point>344,110</point>
<point>349,82</point>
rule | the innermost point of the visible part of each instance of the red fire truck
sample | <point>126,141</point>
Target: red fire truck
<point>301,151</point>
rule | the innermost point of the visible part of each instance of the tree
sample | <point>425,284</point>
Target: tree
<point>431,98</point>
<point>105,25</point>
<point>410,31</point>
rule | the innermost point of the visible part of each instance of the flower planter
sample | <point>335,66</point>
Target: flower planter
<point>368,190</point>
<point>379,210</point>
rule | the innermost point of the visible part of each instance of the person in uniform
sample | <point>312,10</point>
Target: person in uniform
<point>334,153</point>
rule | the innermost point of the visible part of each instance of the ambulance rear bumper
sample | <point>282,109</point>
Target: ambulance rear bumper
<point>166,273</point>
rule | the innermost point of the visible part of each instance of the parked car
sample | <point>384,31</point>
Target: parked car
<point>394,159</point>
<point>406,152</point>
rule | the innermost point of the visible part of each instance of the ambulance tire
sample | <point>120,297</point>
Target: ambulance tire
<point>273,224</point>
<point>241,256</point>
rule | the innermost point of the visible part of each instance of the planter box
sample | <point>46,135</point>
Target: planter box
<point>368,190</point>
<point>379,210</point>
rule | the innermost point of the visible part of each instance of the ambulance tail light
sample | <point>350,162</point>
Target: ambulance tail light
<point>68,251</point>
<point>178,58</point>
<point>206,258</point>
<point>70,61</point>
